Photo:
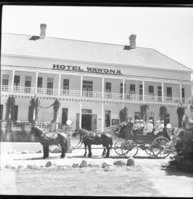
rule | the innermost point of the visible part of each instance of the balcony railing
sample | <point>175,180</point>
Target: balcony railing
<point>92,94</point>
<point>23,89</point>
<point>133,97</point>
<point>108,95</point>
<point>42,125</point>
<point>152,98</point>
<point>5,88</point>
<point>73,93</point>
<point>172,99</point>
<point>47,91</point>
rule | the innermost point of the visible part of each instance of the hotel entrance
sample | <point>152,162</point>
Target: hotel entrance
<point>89,120</point>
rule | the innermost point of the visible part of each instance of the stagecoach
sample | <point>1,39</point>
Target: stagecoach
<point>129,143</point>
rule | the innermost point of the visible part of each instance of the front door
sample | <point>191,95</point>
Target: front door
<point>86,121</point>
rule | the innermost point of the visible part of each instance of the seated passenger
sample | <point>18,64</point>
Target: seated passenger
<point>136,126</point>
<point>141,125</point>
<point>148,128</point>
<point>159,127</point>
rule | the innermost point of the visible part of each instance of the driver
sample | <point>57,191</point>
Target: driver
<point>124,124</point>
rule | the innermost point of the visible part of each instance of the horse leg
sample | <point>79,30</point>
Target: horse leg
<point>85,146</point>
<point>90,153</point>
<point>47,151</point>
<point>64,149</point>
<point>44,151</point>
<point>104,151</point>
<point>108,149</point>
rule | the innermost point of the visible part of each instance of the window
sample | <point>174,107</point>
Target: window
<point>140,92</point>
<point>108,87</point>
<point>16,113</point>
<point>50,79</point>
<point>1,112</point>
<point>87,88</point>
<point>16,80</point>
<point>27,84</point>
<point>169,93</point>
<point>151,90</point>
<point>132,88</point>
<point>86,111</point>
<point>50,86</point>
<point>40,82</point>
<point>5,80</point>
<point>183,95</point>
<point>137,115</point>
<point>159,93</point>
<point>107,118</point>
<point>66,84</point>
<point>64,116</point>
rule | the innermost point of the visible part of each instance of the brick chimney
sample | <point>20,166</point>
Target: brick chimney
<point>132,41</point>
<point>43,31</point>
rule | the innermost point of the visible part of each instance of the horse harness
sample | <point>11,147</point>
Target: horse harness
<point>87,135</point>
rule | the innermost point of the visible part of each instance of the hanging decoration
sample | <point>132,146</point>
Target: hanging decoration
<point>163,113</point>
<point>143,111</point>
<point>10,115</point>
<point>35,106</point>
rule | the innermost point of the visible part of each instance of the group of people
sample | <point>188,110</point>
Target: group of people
<point>146,127</point>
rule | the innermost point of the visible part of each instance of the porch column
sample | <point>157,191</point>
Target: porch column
<point>102,117</point>
<point>12,82</point>
<point>143,91</point>
<point>103,80</point>
<point>81,81</point>
<point>162,92</point>
<point>59,83</point>
<point>36,83</point>
<point>180,92</point>
<point>80,118</point>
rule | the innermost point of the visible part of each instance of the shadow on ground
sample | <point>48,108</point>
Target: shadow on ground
<point>171,171</point>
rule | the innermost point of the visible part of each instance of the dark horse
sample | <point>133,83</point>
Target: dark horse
<point>48,139</point>
<point>90,138</point>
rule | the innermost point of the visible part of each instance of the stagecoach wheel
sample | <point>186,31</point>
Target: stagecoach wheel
<point>161,147</point>
<point>129,148</point>
<point>149,150</point>
<point>117,147</point>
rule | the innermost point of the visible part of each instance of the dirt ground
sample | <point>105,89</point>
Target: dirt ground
<point>145,179</point>
<point>149,177</point>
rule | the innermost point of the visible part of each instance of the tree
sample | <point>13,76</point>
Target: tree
<point>163,113</point>
<point>123,114</point>
<point>180,112</point>
<point>143,111</point>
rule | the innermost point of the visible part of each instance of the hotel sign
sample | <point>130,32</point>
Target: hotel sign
<point>88,69</point>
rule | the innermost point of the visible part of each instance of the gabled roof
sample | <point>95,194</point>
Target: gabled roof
<point>87,51</point>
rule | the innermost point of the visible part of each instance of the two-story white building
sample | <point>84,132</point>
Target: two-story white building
<point>91,80</point>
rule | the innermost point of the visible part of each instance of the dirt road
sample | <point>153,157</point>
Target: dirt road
<point>146,178</point>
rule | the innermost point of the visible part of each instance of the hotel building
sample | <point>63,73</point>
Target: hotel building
<point>93,81</point>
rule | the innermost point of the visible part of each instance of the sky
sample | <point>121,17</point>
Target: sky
<point>165,29</point>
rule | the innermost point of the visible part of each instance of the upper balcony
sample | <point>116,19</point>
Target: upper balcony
<point>91,94</point>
